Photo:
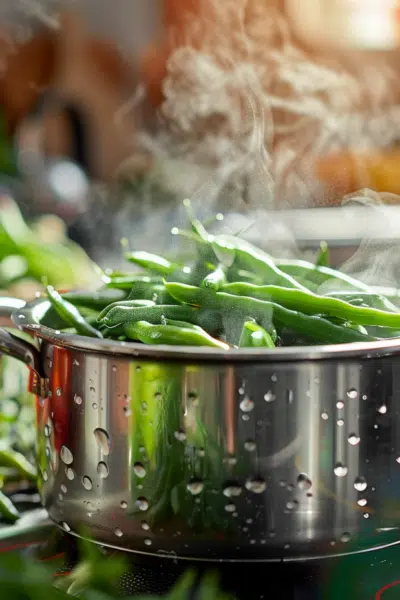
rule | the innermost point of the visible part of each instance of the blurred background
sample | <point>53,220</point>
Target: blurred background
<point>112,112</point>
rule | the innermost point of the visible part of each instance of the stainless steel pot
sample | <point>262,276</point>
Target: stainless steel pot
<point>199,454</point>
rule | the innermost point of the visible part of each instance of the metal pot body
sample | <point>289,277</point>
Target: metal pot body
<point>253,461</point>
<point>257,459</point>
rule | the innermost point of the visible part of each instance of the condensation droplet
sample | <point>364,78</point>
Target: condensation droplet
<point>269,396</point>
<point>142,504</point>
<point>92,389</point>
<point>124,504</point>
<point>58,392</point>
<point>77,399</point>
<point>360,484</point>
<point>114,369</point>
<point>65,526</point>
<point>340,405</point>
<point>127,411</point>
<point>145,525</point>
<point>398,459</point>
<point>232,490</point>
<point>139,470</point>
<point>250,446</point>
<point>94,405</point>
<point>230,508</point>
<point>382,409</point>
<point>180,435</point>
<point>362,502</point>
<point>87,482</point>
<point>70,473</point>
<point>103,440</point>
<point>75,363</point>
<point>304,482</point>
<point>102,470</point>
<point>45,476</point>
<point>340,423</point>
<point>147,542</point>
<point>345,537</point>
<point>353,439</point>
<point>366,515</point>
<point>364,397</point>
<point>292,504</point>
<point>63,488</point>
<point>118,532</point>
<point>47,430</point>
<point>340,469</point>
<point>246,404</point>
<point>257,486</point>
<point>195,487</point>
<point>66,455</point>
<point>274,377</point>
<point>324,416</point>
<point>352,393</point>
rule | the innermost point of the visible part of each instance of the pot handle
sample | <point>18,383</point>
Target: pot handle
<point>22,350</point>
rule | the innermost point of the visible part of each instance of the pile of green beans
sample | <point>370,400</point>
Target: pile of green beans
<point>231,294</point>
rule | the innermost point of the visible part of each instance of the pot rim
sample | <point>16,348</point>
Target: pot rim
<point>27,319</point>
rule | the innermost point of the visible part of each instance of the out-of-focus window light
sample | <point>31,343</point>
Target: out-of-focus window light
<point>362,24</point>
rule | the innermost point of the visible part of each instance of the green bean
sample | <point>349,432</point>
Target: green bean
<point>312,304</point>
<point>126,303</point>
<point>95,300</point>
<point>152,262</point>
<point>254,336</point>
<point>215,279</point>
<point>70,314</point>
<point>7,509</point>
<point>365,299</point>
<point>251,258</point>
<point>122,315</point>
<point>170,335</point>
<point>12,458</point>
<point>323,255</point>
<point>125,282</point>
<point>266,313</point>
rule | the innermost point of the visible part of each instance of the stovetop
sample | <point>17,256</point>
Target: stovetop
<point>374,575</point>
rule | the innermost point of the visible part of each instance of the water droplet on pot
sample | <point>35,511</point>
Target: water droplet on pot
<point>70,473</point>
<point>66,455</point>
<point>94,405</point>
<point>292,504</point>
<point>352,393</point>
<point>127,411</point>
<point>58,392</point>
<point>362,502</point>
<point>269,396</point>
<point>92,389</point>
<point>274,377</point>
<point>304,482</point>
<point>145,525</point>
<point>180,435</point>
<point>139,470</point>
<point>142,504</point>
<point>232,490</point>
<point>87,482</point>
<point>340,405</point>
<point>47,430</point>
<point>230,508</point>
<point>366,515</point>
<point>398,459</point>
<point>353,439</point>
<point>65,526</point>
<point>147,542</point>
<point>324,416</point>
<point>114,369</point>
<point>340,469</point>
<point>340,423</point>
<point>158,396</point>
<point>76,363</point>
<point>360,484</point>
<point>364,397</point>
<point>118,532</point>
<point>77,399</point>
<point>246,404</point>
<point>124,504</point>
<point>103,440</point>
<point>63,488</point>
<point>102,470</point>
<point>257,486</point>
<point>195,487</point>
<point>382,409</point>
<point>250,446</point>
<point>345,537</point>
